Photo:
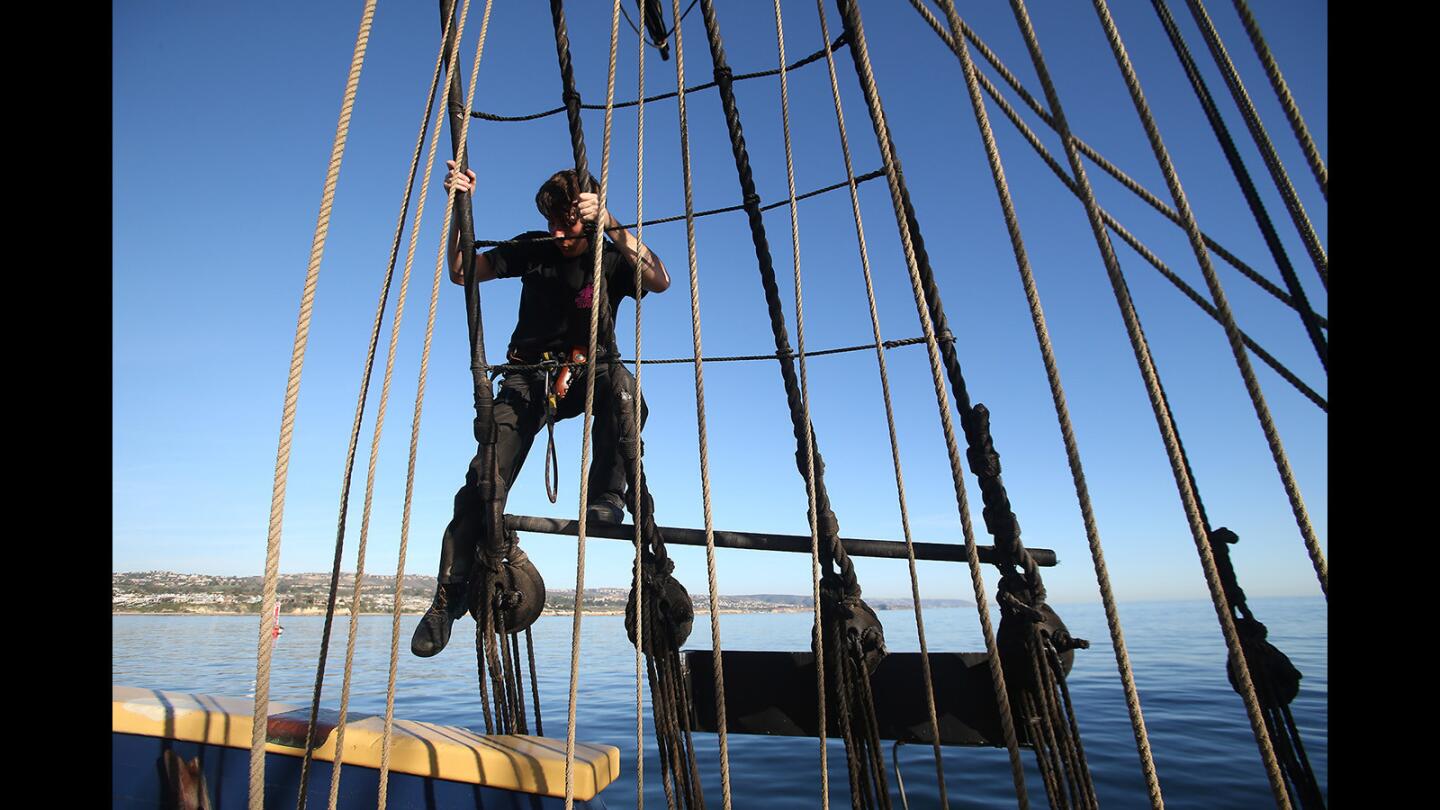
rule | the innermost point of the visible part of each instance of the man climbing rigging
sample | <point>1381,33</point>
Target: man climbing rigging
<point>553,323</point>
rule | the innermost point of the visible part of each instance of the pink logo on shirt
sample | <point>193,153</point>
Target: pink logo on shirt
<point>585,298</point>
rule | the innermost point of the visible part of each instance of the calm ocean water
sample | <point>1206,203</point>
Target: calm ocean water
<point>1203,748</point>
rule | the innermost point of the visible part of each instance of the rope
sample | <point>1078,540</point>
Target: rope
<point>636,102</point>
<point>701,432</point>
<point>1084,148</point>
<point>1247,186</point>
<point>577,140</point>
<point>453,53</point>
<point>1262,140</point>
<point>843,606</point>
<point>829,528</point>
<point>809,471</point>
<point>887,344</point>
<point>260,717</point>
<point>913,248</point>
<point>1145,252</point>
<point>658,45</point>
<point>1217,293</point>
<point>1067,431</point>
<point>677,218</point>
<point>703,440</point>
<point>1138,344</point>
<point>1287,101</point>
<point>1150,256</point>
<point>674,743</point>
<point>1276,677</point>
<point>890,424</point>
<point>534,681</point>
<point>639,583</point>
<point>345,494</point>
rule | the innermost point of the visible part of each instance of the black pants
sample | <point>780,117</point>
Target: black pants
<point>519,416</point>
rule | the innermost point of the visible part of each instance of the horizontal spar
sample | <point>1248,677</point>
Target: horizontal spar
<point>800,544</point>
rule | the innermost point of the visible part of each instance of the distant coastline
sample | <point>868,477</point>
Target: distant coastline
<point>167,593</point>
<point>417,613</point>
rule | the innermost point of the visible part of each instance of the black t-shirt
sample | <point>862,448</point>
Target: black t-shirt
<point>555,296</point>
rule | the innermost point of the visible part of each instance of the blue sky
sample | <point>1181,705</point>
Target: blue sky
<point>223,120</point>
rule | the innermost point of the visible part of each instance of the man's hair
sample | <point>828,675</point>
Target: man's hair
<point>558,195</point>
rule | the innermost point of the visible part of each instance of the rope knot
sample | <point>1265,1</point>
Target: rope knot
<point>752,201</point>
<point>724,75</point>
<point>571,94</point>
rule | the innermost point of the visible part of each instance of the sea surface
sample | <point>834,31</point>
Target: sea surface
<point>1204,751</point>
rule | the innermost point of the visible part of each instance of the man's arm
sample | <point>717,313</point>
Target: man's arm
<point>483,270</point>
<point>653,276</point>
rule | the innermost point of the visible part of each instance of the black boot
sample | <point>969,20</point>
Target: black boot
<point>606,508</point>
<point>433,633</point>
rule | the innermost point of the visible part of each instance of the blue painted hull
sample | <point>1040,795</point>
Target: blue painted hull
<point>138,782</point>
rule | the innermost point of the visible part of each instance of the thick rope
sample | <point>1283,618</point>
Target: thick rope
<point>879,346</point>
<point>641,504</point>
<point>828,526</point>
<point>659,39</point>
<point>843,606</point>
<point>839,43</point>
<point>440,260</point>
<point>1217,293</point>
<point>1242,177</point>
<point>1274,681</point>
<point>926,300</point>
<point>260,716</point>
<point>1262,140</point>
<point>1057,392</point>
<point>1287,101</point>
<point>1085,149</point>
<point>1142,353</point>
